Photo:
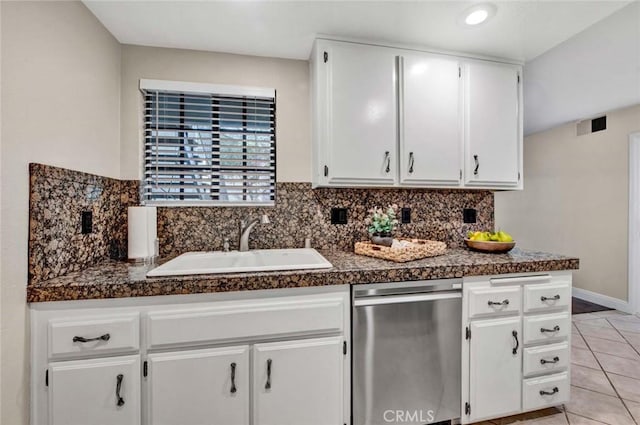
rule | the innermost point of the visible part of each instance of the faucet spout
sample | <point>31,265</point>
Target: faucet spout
<point>246,228</point>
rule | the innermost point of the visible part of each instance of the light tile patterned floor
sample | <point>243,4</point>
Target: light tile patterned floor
<point>605,378</point>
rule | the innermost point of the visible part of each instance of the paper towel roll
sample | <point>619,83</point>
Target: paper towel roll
<point>143,232</point>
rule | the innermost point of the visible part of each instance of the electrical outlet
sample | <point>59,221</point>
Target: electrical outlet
<point>469,215</point>
<point>87,222</point>
<point>339,215</point>
<point>405,215</point>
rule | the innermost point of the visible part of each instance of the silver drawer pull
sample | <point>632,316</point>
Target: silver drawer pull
<point>492,303</point>
<point>555,360</point>
<point>556,328</point>
<point>554,298</point>
<point>105,337</point>
<point>552,392</point>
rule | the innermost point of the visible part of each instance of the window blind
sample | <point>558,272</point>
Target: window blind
<point>209,148</point>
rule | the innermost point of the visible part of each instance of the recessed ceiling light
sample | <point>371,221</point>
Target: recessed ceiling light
<point>478,14</point>
<point>476,17</point>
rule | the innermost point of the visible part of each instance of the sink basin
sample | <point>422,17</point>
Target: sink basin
<point>257,260</point>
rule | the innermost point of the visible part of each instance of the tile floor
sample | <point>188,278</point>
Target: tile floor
<point>605,378</point>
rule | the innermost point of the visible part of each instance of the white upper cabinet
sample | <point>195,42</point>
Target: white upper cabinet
<point>493,136</point>
<point>430,118</point>
<point>386,116</point>
<point>356,115</point>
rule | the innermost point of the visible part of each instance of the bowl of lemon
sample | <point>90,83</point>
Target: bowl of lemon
<point>496,242</point>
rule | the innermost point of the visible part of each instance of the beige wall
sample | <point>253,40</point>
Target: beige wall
<point>60,106</point>
<point>575,200</point>
<point>290,78</point>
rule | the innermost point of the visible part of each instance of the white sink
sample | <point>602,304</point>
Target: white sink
<point>257,260</point>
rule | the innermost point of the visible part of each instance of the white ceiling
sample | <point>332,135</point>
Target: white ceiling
<point>592,73</point>
<point>520,30</point>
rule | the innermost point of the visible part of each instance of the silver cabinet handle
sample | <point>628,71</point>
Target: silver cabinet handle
<point>554,298</point>
<point>387,158</point>
<point>105,337</point>
<point>233,378</point>
<point>545,361</point>
<point>119,398</point>
<point>410,162</point>
<point>503,302</point>
<point>556,328</point>
<point>552,392</point>
<point>475,171</point>
<point>267,386</point>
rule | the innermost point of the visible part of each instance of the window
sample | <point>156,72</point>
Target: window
<point>208,144</point>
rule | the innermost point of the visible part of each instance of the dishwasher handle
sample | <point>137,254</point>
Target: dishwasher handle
<point>407,298</point>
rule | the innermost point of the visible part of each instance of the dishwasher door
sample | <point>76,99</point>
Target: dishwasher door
<point>406,358</point>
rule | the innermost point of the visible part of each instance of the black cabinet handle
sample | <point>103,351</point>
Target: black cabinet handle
<point>503,302</point>
<point>555,360</point>
<point>387,158</point>
<point>105,337</point>
<point>233,378</point>
<point>552,392</point>
<point>267,386</point>
<point>554,298</point>
<point>120,400</point>
<point>410,162</point>
<point>556,328</point>
<point>515,336</point>
<point>475,158</point>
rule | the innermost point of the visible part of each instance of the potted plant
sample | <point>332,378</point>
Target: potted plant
<point>381,224</point>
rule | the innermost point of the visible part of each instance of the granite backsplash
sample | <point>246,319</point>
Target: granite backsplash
<point>59,196</point>
<point>302,212</point>
<point>57,199</point>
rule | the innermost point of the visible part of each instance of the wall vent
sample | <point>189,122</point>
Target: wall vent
<point>592,125</point>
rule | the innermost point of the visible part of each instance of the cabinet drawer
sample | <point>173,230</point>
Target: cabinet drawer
<point>546,296</point>
<point>234,322</point>
<point>491,301</point>
<point>545,391</point>
<point>93,335</point>
<point>545,359</point>
<point>547,327</point>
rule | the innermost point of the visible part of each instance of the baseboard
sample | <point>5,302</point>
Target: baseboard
<point>604,300</point>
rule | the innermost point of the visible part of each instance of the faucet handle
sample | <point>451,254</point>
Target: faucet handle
<point>226,245</point>
<point>264,219</point>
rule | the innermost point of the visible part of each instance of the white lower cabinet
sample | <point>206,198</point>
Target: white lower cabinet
<point>298,382</point>
<point>103,391</point>
<point>199,387</point>
<point>495,363</point>
<point>515,353</point>
<point>277,358</point>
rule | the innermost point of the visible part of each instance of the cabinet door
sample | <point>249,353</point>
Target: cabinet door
<point>493,139</point>
<point>431,125</point>
<point>102,391</point>
<point>358,143</point>
<point>495,378</point>
<point>299,382</point>
<point>199,387</point>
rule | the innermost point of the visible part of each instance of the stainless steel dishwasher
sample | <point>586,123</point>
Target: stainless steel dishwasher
<point>406,352</point>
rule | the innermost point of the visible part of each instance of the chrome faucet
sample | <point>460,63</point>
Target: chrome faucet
<point>245,231</point>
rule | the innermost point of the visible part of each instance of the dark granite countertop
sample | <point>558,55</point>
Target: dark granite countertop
<point>113,279</point>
